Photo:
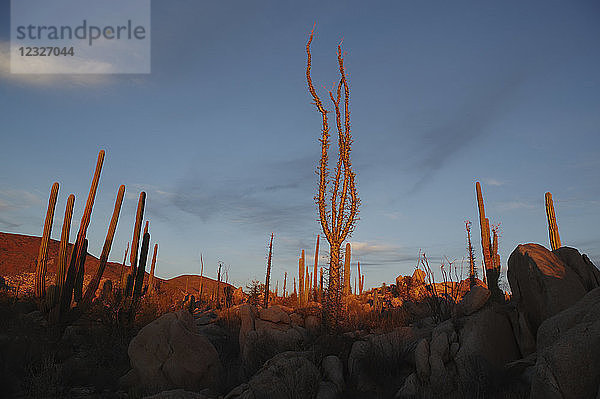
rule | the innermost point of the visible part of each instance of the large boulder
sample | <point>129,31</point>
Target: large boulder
<point>287,375</point>
<point>247,316</point>
<point>177,394</point>
<point>568,352</point>
<point>588,274</point>
<point>168,353</point>
<point>274,314</point>
<point>487,343</point>
<point>542,284</point>
<point>473,300</point>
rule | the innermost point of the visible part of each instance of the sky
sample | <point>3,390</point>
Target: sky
<point>223,135</point>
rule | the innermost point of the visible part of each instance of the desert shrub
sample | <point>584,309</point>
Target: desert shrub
<point>44,379</point>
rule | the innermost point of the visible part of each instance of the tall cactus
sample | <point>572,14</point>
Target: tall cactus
<point>491,258</point>
<point>284,283</point>
<point>347,285</point>
<point>268,278</point>
<point>315,268</point>
<point>152,278</point>
<point>122,284</point>
<point>361,281</point>
<point>301,280</point>
<point>93,285</point>
<point>552,225</point>
<point>40,271</point>
<point>201,290</point>
<point>83,226</point>
<point>135,242</point>
<point>61,266</point>
<point>141,267</point>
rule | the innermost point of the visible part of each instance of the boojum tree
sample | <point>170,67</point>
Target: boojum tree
<point>337,199</point>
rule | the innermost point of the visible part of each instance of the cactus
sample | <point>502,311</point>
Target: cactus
<point>93,285</point>
<point>61,266</point>
<point>151,281</point>
<point>361,281</point>
<point>301,280</point>
<point>306,287</point>
<point>276,288</point>
<point>552,225</point>
<point>141,267</point>
<point>315,269</point>
<point>135,242</point>
<point>347,255</point>
<point>491,258</point>
<point>295,292</point>
<point>201,290</point>
<point>146,227</point>
<point>40,271</point>
<point>267,283</point>
<point>123,283</point>
<point>472,268</point>
<point>284,283</point>
<point>83,226</point>
<point>321,284</point>
<point>219,285</point>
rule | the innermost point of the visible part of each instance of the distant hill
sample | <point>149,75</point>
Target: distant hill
<point>18,257</point>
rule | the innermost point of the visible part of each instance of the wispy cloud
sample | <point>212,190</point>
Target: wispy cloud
<point>493,182</point>
<point>11,199</point>
<point>445,140</point>
<point>514,205</point>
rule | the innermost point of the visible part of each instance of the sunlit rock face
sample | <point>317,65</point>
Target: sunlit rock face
<point>544,283</point>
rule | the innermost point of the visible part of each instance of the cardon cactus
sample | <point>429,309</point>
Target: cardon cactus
<point>153,265</point>
<point>93,286</point>
<point>315,269</point>
<point>61,266</point>
<point>552,225</point>
<point>83,226</point>
<point>135,242</point>
<point>301,275</point>
<point>347,256</point>
<point>141,268</point>
<point>40,271</point>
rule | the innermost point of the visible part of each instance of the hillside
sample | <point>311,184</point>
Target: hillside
<point>18,255</point>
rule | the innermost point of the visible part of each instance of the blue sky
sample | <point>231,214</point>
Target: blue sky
<point>223,137</point>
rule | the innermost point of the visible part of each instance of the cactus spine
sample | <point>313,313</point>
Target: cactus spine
<point>267,282</point>
<point>152,278</point>
<point>61,267</point>
<point>135,242</point>
<point>40,271</point>
<point>347,285</point>
<point>552,225</point>
<point>93,285</point>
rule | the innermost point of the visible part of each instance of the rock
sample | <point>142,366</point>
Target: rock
<point>260,325</point>
<point>410,389</point>
<point>370,360</point>
<point>486,344</point>
<point>240,392</point>
<point>439,346</point>
<point>247,315</point>
<point>206,318</point>
<point>327,390</point>
<point>297,319</point>
<point>333,371</point>
<point>568,352</point>
<point>262,345</point>
<point>287,375</point>
<point>454,349</point>
<point>422,360</point>
<point>312,323</point>
<point>274,314</point>
<point>588,274</point>
<point>177,394</point>
<point>542,284</point>
<point>168,353</point>
<point>473,300</point>
<point>419,276</point>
